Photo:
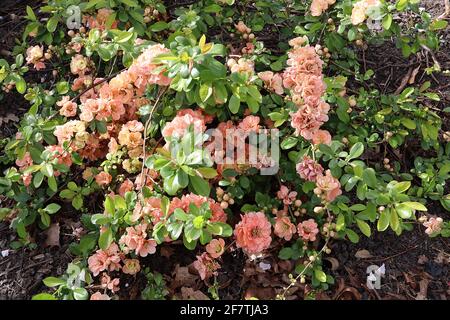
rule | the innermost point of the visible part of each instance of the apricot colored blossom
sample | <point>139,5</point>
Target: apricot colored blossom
<point>303,77</point>
<point>253,233</point>
<point>103,178</point>
<point>126,186</point>
<point>360,10</point>
<point>284,228</point>
<point>35,56</point>
<point>249,124</point>
<point>433,225</point>
<point>102,260</point>
<point>242,28</point>
<point>216,248</point>
<point>322,137</point>
<point>206,266</point>
<point>142,71</point>
<point>179,126</point>
<point>79,65</point>
<point>135,239</point>
<point>328,186</point>
<point>286,195</point>
<point>298,42</point>
<point>218,214</point>
<point>25,161</point>
<point>108,283</point>
<point>320,6</point>
<point>100,296</point>
<point>68,108</point>
<point>272,81</point>
<point>308,230</point>
<point>307,120</point>
<point>308,169</point>
<point>243,66</point>
<point>131,266</point>
<point>100,20</point>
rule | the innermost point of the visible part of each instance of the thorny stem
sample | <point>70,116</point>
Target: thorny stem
<point>147,124</point>
<point>305,269</point>
<point>294,281</point>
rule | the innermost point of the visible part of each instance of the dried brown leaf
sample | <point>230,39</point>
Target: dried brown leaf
<point>52,236</point>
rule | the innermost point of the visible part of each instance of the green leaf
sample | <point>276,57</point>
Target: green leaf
<point>159,26</point>
<point>43,296</point>
<point>80,294</point>
<point>30,14</point>
<point>438,25</point>
<point>200,186</point>
<point>45,219</point>
<point>21,85</point>
<point>404,211</point>
<point>356,150</point>
<point>52,208</point>
<point>340,222</point>
<point>53,282</point>
<point>109,205</point>
<point>364,227</point>
<point>352,235</point>
<point>205,91</point>
<point>285,253</point>
<point>234,104</point>
<point>179,214</point>
<point>77,202</point>
<point>394,220</point>
<point>52,23</point>
<point>47,170</point>
<point>320,275</point>
<point>105,239</point>
<point>387,21</point>
<point>207,173</point>
<point>369,177</point>
<point>37,179</point>
<point>52,184</point>
<point>415,206</point>
<point>402,186</point>
<point>383,221</point>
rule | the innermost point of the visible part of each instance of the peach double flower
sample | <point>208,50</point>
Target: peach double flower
<point>35,56</point>
<point>135,239</point>
<point>102,260</point>
<point>253,233</point>
<point>320,6</point>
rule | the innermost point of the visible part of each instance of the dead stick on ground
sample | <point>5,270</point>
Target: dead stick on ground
<point>447,10</point>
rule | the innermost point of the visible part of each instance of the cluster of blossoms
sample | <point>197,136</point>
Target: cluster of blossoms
<point>114,102</point>
<point>361,9</point>
<point>247,35</point>
<point>284,228</point>
<point>318,7</point>
<point>206,264</point>
<point>112,258</point>
<point>242,66</point>
<point>272,81</point>
<point>36,57</point>
<point>23,163</point>
<point>304,78</point>
<point>99,21</point>
<point>327,186</point>
<point>184,119</point>
<point>152,207</point>
<point>135,239</point>
<point>433,225</point>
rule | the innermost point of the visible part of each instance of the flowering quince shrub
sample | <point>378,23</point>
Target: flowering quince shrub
<point>145,136</point>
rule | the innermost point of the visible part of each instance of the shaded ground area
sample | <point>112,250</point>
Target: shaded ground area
<point>417,267</point>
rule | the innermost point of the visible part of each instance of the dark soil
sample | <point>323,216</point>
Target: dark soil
<point>417,267</point>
